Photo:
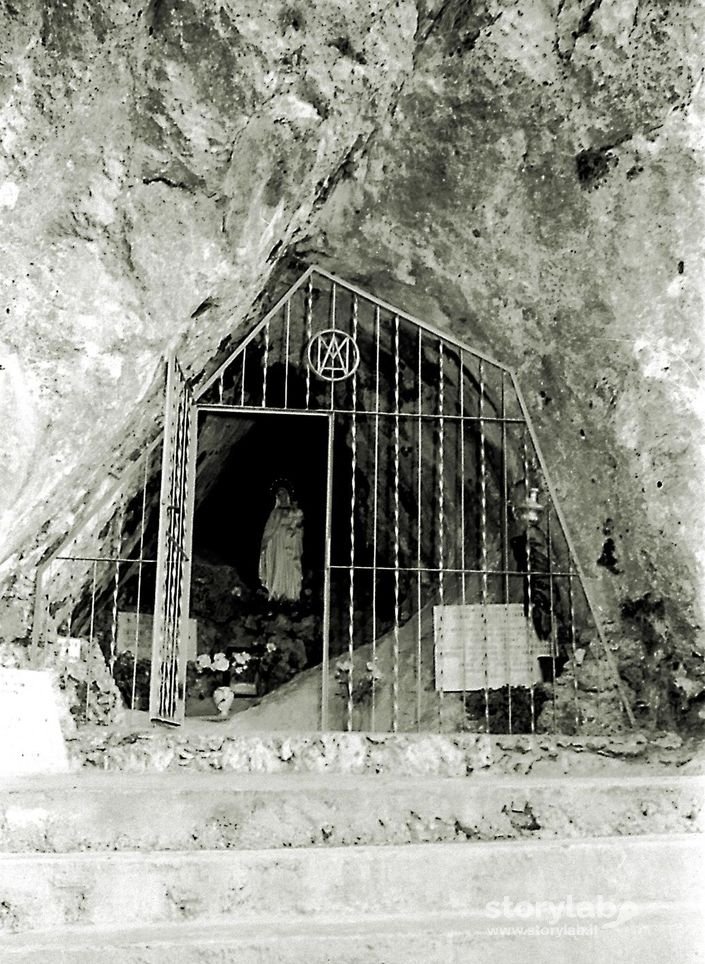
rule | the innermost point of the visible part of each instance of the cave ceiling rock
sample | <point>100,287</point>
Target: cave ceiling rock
<point>153,159</point>
<point>578,277</point>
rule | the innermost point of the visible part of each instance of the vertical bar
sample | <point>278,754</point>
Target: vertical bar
<point>375,519</point>
<point>116,589</point>
<point>91,637</point>
<point>326,581</point>
<point>483,540</point>
<point>139,582</point>
<point>220,387</point>
<point>505,544</point>
<point>551,603</point>
<point>395,687</point>
<point>333,305</point>
<point>353,493</point>
<point>574,650</point>
<point>529,600</point>
<point>176,588</point>
<point>441,513</point>
<point>462,476</point>
<point>244,371</point>
<point>158,631</point>
<point>309,324</point>
<point>265,364</point>
<point>463,558</point>
<point>419,462</point>
<point>189,503</point>
<point>287,340</point>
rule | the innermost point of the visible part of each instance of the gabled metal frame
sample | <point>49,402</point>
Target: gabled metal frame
<point>199,403</point>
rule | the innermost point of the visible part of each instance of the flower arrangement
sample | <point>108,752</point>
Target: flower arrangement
<point>362,684</point>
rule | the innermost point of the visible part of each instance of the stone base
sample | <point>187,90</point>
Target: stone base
<point>205,745</point>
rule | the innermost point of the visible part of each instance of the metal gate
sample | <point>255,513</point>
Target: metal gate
<point>447,504</point>
<point>173,578</point>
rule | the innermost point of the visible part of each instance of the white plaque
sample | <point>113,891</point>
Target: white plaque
<point>127,635</point>
<point>31,739</point>
<point>479,646</point>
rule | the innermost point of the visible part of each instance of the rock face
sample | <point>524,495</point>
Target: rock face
<point>527,176</point>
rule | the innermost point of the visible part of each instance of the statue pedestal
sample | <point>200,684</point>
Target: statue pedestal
<point>30,732</point>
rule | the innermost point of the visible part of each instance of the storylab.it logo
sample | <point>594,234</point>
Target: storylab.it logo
<point>596,911</point>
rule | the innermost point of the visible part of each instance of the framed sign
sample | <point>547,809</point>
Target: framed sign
<point>485,647</point>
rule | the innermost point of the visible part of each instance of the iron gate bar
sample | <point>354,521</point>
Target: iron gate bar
<point>483,539</point>
<point>333,291</point>
<point>265,365</point>
<point>113,628</point>
<point>326,580</point>
<point>287,317</point>
<point>574,651</point>
<point>138,602</point>
<point>353,494</point>
<point>91,634</point>
<point>419,594</point>
<point>100,559</point>
<point>504,511</point>
<point>554,628</point>
<point>463,560</point>
<point>441,513</point>
<point>395,687</point>
<point>168,653</point>
<point>529,600</point>
<point>375,519</point>
<point>309,330</point>
<point>448,417</point>
<point>449,570</point>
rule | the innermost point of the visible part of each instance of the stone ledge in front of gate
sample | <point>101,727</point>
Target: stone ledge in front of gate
<point>401,754</point>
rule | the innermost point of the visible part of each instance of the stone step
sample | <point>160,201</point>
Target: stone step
<point>647,933</point>
<point>51,892</point>
<point>188,811</point>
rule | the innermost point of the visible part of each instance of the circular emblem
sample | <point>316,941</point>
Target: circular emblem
<point>333,355</point>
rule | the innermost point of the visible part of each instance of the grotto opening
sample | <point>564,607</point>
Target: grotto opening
<point>435,585</point>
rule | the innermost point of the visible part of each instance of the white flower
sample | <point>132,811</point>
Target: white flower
<point>343,666</point>
<point>203,661</point>
<point>220,662</point>
<point>271,647</point>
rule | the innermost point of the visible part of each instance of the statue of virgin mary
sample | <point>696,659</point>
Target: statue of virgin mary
<point>280,553</point>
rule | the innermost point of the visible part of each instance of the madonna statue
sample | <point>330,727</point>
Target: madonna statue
<point>282,543</point>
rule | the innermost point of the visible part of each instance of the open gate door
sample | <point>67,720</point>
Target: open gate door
<point>173,577</point>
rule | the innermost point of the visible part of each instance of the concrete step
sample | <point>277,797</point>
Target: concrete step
<point>189,811</point>
<point>648,934</point>
<point>104,890</point>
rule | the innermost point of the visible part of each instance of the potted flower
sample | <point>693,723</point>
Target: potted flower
<point>223,677</point>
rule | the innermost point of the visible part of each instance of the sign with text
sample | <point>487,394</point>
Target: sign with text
<point>485,646</point>
<point>29,721</point>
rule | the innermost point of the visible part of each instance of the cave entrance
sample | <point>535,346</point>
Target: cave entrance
<point>438,577</point>
<point>263,626</point>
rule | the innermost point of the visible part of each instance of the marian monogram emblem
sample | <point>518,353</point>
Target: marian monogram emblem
<point>333,355</point>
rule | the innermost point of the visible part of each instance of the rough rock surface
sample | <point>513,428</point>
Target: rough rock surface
<point>526,175</point>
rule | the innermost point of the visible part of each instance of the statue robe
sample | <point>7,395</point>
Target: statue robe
<point>280,554</point>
